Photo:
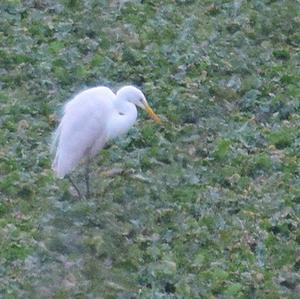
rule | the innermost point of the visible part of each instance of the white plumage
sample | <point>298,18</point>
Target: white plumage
<point>90,119</point>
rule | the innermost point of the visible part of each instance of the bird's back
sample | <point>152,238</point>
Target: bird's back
<point>82,131</point>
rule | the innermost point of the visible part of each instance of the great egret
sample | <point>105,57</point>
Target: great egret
<point>90,119</point>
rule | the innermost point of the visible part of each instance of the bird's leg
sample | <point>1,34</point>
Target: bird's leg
<point>74,185</point>
<point>87,177</point>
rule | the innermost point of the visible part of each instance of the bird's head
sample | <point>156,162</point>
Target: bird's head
<point>135,96</point>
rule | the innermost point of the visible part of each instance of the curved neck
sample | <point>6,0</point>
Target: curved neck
<point>122,119</point>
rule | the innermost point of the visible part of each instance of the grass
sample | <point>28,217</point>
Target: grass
<point>208,204</point>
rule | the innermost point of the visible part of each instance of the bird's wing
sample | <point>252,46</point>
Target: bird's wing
<point>82,131</point>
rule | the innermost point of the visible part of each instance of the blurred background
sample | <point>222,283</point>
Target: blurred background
<point>204,206</point>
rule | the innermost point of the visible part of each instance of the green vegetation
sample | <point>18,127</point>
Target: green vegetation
<point>207,205</point>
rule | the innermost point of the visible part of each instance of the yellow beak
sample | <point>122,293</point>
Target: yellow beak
<point>152,114</point>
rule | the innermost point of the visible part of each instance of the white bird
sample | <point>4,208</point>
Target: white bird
<point>90,119</point>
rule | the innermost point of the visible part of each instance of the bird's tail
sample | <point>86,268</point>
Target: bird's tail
<point>54,149</point>
<point>55,138</point>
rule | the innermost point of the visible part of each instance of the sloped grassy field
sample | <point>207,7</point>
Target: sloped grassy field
<point>206,205</point>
